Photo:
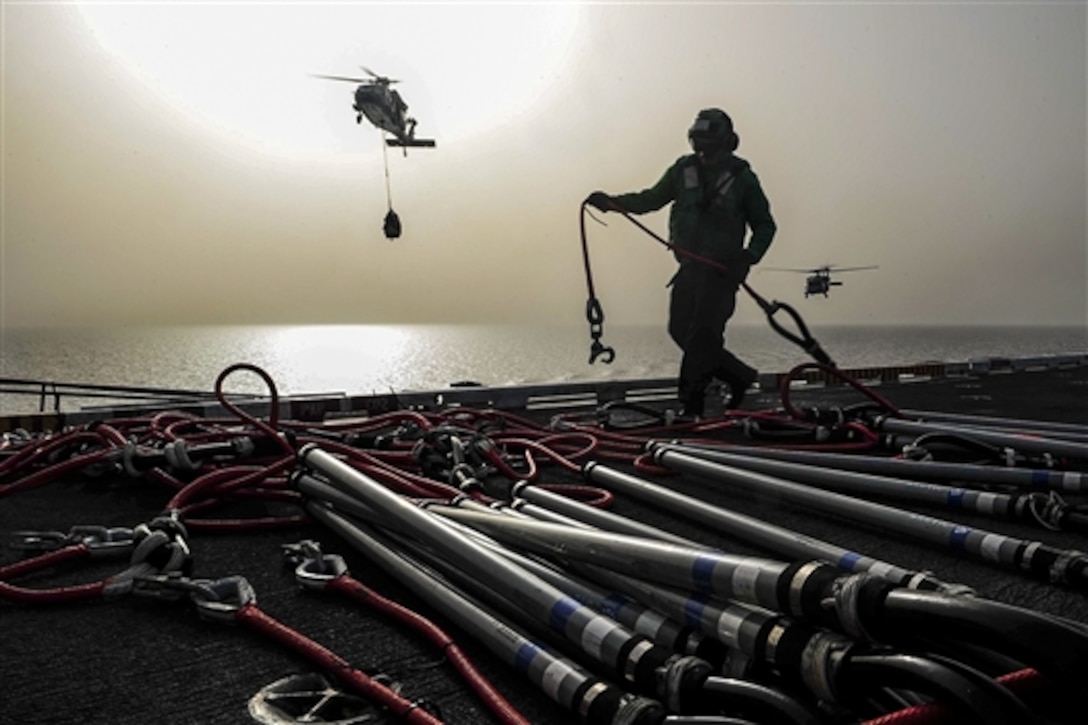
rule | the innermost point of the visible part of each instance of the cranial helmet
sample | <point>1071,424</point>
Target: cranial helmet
<point>712,132</point>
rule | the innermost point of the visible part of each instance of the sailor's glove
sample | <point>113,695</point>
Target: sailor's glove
<point>600,201</point>
<point>739,265</point>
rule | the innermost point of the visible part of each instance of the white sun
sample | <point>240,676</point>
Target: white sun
<point>247,68</point>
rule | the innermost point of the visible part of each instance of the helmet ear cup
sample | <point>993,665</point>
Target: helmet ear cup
<point>733,142</point>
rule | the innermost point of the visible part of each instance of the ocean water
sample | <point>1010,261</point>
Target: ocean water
<point>360,359</point>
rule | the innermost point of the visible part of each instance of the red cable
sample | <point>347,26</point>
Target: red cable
<point>56,595</point>
<point>491,697</point>
<point>531,446</point>
<point>1020,682</point>
<point>589,495</point>
<point>45,475</point>
<point>340,669</point>
<point>784,388</point>
<point>222,480</point>
<point>42,449</point>
<point>44,561</point>
<point>262,523</point>
<point>269,428</point>
<point>393,477</point>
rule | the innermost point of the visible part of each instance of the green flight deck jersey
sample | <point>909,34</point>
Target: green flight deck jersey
<point>713,207</point>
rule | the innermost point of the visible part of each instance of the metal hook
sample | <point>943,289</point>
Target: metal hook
<point>595,317</point>
<point>313,569</point>
<point>596,350</point>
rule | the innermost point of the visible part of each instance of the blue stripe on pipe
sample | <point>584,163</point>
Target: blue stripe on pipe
<point>849,560</point>
<point>955,497</point>
<point>613,604</point>
<point>693,612</point>
<point>1040,479</point>
<point>561,612</point>
<point>702,573</point>
<point>525,655</point>
<point>957,539</point>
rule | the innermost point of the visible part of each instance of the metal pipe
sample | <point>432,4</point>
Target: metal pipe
<point>1074,431</point>
<point>1017,441</point>
<point>641,663</point>
<point>858,604</point>
<point>1045,562</point>
<point>797,588</point>
<point>822,661</point>
<point>595,517</point>
<point>759,643</point>
<point>592,699</point>
<point>665,631</point>
<point>869,485</point>
<point>776,539</point>
<point>1025,478</point>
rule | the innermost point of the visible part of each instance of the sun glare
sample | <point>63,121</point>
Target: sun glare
<point>246,69</point>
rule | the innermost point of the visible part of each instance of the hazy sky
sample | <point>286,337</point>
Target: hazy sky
<point>176,163</point>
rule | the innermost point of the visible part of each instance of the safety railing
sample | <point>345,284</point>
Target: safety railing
<point>50,393</point>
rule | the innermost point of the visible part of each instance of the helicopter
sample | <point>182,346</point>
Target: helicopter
<point>384,108</point>
<point>819,280</point>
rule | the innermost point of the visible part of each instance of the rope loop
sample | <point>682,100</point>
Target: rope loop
<point>804,340</point>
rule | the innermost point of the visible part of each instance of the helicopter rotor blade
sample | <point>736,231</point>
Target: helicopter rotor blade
<point>852,269</point>
<point>380,79</point>
<point>341,78</point>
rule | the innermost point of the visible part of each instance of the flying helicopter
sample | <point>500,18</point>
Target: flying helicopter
<point>819,281</point>
<point>387,111</point>
<point>384,108</point>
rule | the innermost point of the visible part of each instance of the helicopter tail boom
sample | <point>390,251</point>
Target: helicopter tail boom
<point>415,142</point>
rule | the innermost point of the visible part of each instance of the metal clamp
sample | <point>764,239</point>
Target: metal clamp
<point>313,570</point>
<point>216,600</point>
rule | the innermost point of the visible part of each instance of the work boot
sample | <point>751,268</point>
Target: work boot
<point>692,409</point>
<point>738,389</point>
<point>691,392</point>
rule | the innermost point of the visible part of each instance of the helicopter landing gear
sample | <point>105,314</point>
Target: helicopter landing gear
<point>358,118</point>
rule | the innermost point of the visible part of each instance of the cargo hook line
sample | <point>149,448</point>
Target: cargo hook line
<point>391,224</point>
<point>595,314</point>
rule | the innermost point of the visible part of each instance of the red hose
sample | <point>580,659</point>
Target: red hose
<point>1020,682</point>
<point>492,698</point>
<point>784,388</point>
<point>44,561</point>
<point>222,480</point>
<point>45,475</point>
<point>56,595</point>
<point>334,665</point>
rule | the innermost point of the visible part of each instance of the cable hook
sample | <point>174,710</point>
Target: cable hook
<point>595,318</point>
